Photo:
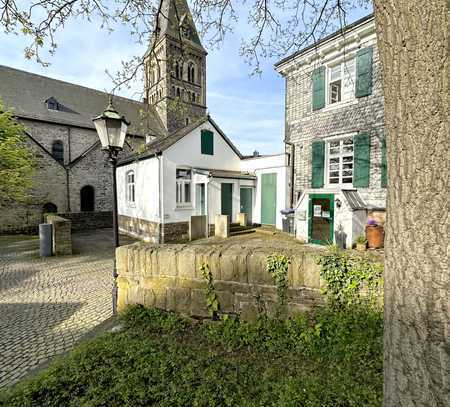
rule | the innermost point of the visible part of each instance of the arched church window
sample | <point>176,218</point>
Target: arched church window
<point>178,92</point>
<point>58,151</point>
<point>178,70</point>
<point>49,207</point>
<point>191,72</point>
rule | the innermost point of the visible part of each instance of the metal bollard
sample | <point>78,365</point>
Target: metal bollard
<point>45,239</point>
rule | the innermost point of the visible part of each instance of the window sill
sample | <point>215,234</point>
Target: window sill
<point>338,105</point>
<point>339,186</point>
<point>131,205</point>
<point>184,208</point>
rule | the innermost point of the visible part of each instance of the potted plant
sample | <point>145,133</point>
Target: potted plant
<point>374,234</point>
<point>361,243</point>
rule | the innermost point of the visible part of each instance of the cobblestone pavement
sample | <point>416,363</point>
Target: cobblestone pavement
<point>48,304</point>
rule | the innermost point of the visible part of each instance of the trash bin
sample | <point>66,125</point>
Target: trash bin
<point>45,239</point>
<point>288,220</point>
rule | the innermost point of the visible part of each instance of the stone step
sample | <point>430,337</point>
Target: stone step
<point>246,231</point>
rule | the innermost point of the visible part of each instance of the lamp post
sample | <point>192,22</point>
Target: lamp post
<point>112,129</point>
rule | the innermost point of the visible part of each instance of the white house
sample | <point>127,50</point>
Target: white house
<point>197,171</point>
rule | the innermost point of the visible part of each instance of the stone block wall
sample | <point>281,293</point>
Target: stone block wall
<point>175,232</point>
<point>143,229</point>
<point>62,235</point>
<point>88,220</point>
<point>168,277</point>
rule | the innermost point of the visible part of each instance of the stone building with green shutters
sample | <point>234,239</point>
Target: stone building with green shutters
<point>335,134</point>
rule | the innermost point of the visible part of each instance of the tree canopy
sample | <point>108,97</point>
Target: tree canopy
<point>17,162</point>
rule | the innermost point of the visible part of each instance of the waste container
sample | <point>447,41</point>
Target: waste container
<point>288,220</point>
<point>45,239</point>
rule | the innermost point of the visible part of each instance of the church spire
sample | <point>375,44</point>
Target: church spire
<point>176,67</point>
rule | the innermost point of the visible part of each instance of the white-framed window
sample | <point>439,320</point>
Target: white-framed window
<point>335,88</point>
<point>341,81</point>
<point>340,163</point>
<point>183,187</point>
<point>131,187</point>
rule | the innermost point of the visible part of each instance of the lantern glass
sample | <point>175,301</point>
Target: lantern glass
<point>100,126</point>
<point>111,129</point>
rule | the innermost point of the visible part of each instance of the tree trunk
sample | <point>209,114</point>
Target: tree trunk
<point>413,38</point>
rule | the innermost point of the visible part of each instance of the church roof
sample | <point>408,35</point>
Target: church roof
<point>172,15</point>
<point>41,98</point>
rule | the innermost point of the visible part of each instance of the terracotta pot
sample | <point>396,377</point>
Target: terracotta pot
<point>375,236</point>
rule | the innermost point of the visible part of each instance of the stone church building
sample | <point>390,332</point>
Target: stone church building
<point>72,174</point>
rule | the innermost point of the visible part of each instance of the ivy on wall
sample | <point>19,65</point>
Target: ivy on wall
<point>350,280</point>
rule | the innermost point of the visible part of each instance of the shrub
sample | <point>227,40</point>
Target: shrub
<point>350,280</point>
<point>326,358</point>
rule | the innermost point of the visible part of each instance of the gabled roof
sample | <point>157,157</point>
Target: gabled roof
<point>157,146</point>
<point>172,15</point>
<point>316,44</point>
<point>27,94</point>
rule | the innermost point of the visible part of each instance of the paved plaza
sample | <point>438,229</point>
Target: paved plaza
<point>48,304</point>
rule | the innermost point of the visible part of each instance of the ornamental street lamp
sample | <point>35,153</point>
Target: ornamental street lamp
<point>112,129</point>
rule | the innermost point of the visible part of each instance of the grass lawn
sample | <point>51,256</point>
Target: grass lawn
<point>329,358</point>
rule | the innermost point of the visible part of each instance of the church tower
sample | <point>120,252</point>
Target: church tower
<point>175,67</point>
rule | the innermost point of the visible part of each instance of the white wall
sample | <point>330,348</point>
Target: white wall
<point>187,153</point>
<point>268,165</point>
<point>146,204</point>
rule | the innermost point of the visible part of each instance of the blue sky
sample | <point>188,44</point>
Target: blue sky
<point>249,109</point>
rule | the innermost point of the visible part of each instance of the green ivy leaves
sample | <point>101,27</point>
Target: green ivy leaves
<point>350,279</point>
<point>278,266</point>
<point>212,301</point>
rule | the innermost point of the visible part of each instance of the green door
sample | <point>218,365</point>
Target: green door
<point>269,199</point>
<point>321,218</point>
<point>247,203</point>
<point>227,199</point>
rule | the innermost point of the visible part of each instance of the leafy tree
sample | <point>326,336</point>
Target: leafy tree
<point>16,160</point>
<point>413,39</point>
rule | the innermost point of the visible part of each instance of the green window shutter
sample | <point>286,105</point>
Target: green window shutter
<point>207,142</point>
<point>383,164</point>
<point>318,163</point>
<point>361,173</point>
<point>364,72</point>
<point>318,79</point>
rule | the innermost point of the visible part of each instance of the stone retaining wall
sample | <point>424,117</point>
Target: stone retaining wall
<point>88,220</point>
<point>168,277</point>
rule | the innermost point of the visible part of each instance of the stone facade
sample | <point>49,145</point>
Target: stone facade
<point>168,277</point>
<point>89,220</point>
<point>153,231</point>
<point>175,232</point>
<point>303,125</point>
<point>149,231</point>
<point>60,183</point>
<point>178,95</point>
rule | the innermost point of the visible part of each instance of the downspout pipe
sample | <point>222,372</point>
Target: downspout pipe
<point>291,197</point>
<point>161,196</point>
